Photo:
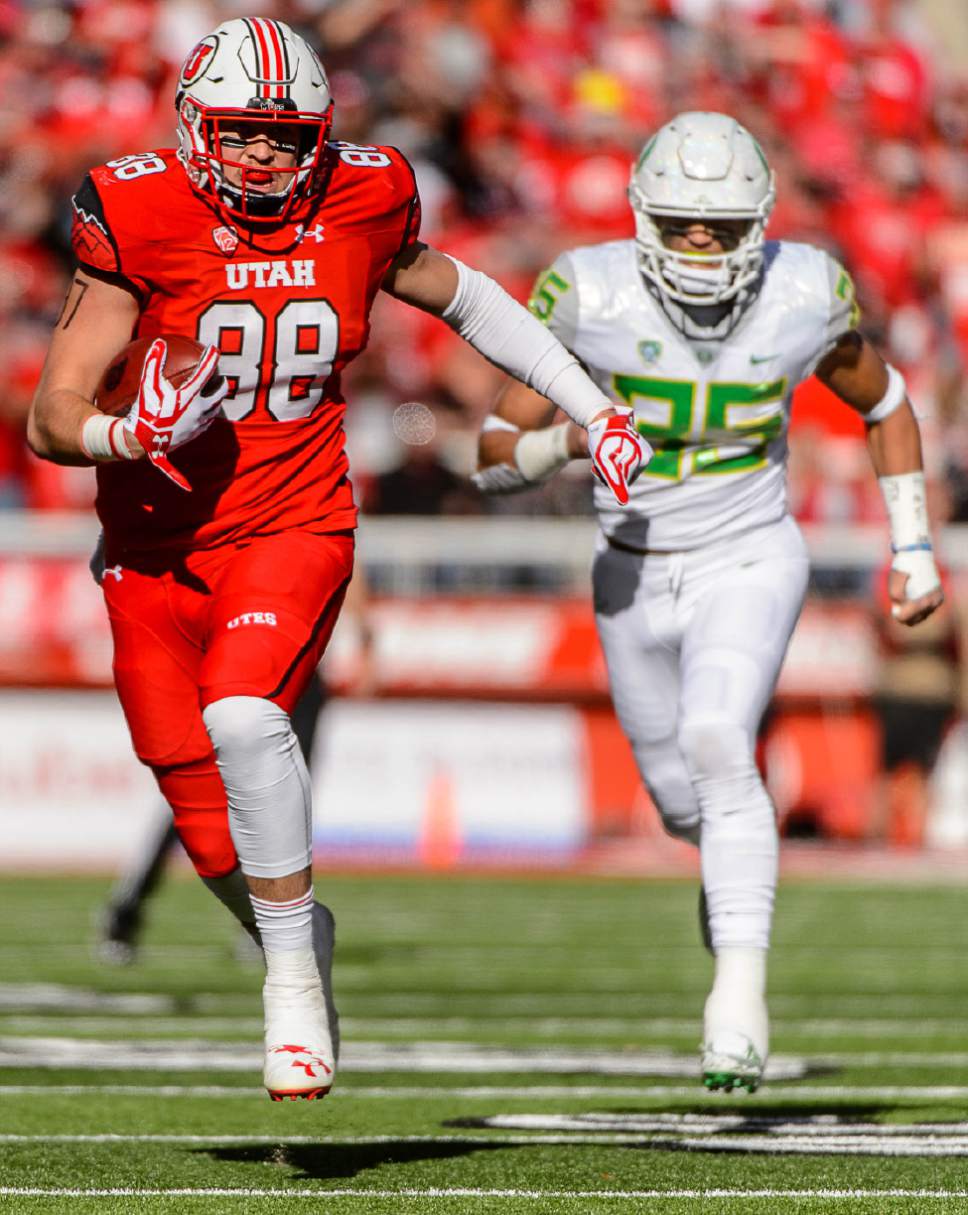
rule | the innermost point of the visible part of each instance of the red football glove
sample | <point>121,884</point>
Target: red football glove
<point>618,452</point>
<point>164,417</point>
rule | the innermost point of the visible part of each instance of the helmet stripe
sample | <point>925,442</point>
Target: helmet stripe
<point>273,53</point>
<point>286,73</point>
<point>264,63</point>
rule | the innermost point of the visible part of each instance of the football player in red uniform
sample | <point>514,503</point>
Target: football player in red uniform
<point>227,510</point>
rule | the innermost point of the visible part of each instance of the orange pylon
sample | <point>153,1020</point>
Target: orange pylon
<point>439,845</point>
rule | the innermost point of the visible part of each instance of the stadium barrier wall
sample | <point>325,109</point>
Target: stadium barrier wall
<point>491,737</point>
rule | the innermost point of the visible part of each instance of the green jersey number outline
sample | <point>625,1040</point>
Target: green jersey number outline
<point>545,295</point>
<point>845,291</point>
<point>678,452</point>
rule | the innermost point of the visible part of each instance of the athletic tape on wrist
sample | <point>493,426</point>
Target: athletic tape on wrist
<point>539,454</point>
<point>893,398</point>
<point>905,497</point>
<point>103,439</point>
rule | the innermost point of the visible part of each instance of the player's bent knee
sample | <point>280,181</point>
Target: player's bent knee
<point>208,842</point>
<point>238,725</point>
<point>713,747</point>
<point>197,798</point>
<point>683,825</point>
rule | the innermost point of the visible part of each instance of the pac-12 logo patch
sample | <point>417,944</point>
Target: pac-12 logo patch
<point>650,351</point>
<point>197,63</point>
<point>226,238</point>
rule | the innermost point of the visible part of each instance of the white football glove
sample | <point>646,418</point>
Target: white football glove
<point>165,417</point>
<point>618,452</point>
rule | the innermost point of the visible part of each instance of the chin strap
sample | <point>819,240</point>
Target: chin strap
<point>704,322</point>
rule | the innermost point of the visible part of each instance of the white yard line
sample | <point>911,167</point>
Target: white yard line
<point>539,1195</point>
<point>772,1092</point>
<point>428,1057</point>
<point>187,1054</point>
<point>415,1026</point>
<point>485,1139</point>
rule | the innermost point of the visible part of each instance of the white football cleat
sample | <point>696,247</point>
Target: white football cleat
<point>301,1023</point>
<point>730,1060</point>
<point>295,1071</point>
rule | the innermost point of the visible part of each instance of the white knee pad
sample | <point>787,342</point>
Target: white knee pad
<point>713,748</point>
<point>266,783</point>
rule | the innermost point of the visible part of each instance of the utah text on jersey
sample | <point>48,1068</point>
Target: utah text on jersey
<point>282,272</point>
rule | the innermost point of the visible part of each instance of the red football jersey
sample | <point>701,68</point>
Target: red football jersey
<point>288,308</point>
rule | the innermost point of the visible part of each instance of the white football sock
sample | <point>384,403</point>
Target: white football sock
<point>286,928</point>
<point>737,1002</point>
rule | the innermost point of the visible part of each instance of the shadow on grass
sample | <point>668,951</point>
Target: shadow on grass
<point>332,1160</point>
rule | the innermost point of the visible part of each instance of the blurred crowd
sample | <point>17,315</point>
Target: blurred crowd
<point>521,118</point>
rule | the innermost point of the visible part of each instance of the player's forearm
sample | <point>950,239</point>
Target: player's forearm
<point>510,459</point>
<point>496,447</point>
<point>486,317</point>
<point>55,423</point>
<point>65,428</point>
<point>894,443</point>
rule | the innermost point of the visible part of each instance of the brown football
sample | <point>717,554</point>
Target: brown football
<point>118,386</point>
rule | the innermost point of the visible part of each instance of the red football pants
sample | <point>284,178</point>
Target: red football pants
<point>241,621</point>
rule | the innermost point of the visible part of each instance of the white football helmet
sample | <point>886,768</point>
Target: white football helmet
<point>701,166</point>
<point>256,70</point>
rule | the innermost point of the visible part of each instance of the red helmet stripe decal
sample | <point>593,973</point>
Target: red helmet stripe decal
<point>278,47</point>
<point>263,69</point>
<point>286,66</point>
<point>271,56</point>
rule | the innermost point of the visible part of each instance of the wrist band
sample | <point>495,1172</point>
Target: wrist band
<point>102,439</point>
<point>539,454</point>
<point>893,398</point>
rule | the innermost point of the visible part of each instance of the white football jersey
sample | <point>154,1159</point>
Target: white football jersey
<point>715,412</point>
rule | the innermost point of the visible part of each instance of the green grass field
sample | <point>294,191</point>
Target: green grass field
<point>509,1046</point>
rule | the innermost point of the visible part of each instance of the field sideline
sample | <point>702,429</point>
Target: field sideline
<point>510,1046</point>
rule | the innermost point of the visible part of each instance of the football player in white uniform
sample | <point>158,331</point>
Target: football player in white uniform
<point>703,329</point>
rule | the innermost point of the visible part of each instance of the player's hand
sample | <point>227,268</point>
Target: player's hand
<point>164,417</point>
<point>914,586</point>
<point>618,452</point>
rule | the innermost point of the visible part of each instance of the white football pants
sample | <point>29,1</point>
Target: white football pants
<point>694,641</point>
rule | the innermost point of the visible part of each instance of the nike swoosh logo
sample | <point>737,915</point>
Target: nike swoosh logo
<point>766,358</point>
